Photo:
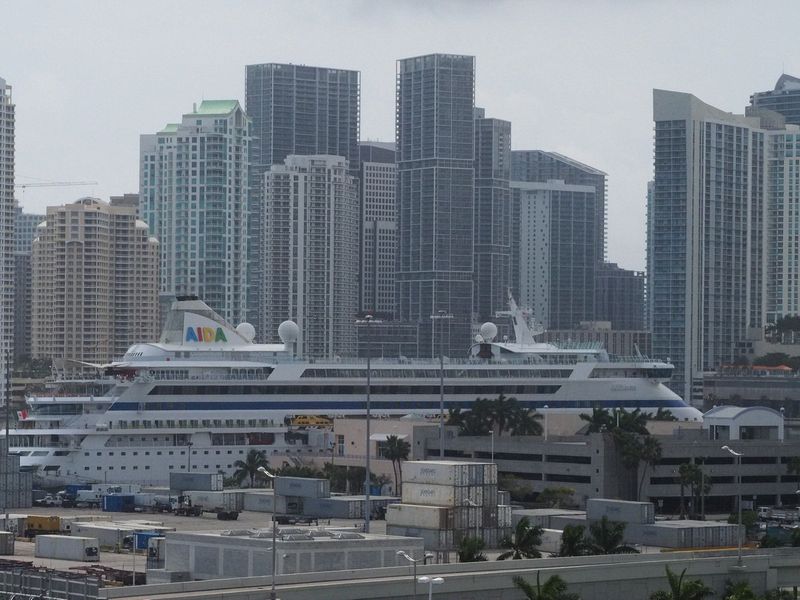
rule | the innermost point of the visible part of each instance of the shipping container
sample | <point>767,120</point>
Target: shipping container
<point>434,539</point>
<point>337,507</point>
<point>428,494</point>
<point>504,516</point>
<point>449,473</point>
<point>211,501</point>
<point>503,497</point>
<point>545,517</point>
<point>35,524</point>
<point>303,487</point>
<point>6,543</point>
<point>414,515</point>
<point>116,488</point>
<point>118,503</point>
<point>142,538</point>
<point>205,482</point>
<point>65,547</point>
<point>620,510</point>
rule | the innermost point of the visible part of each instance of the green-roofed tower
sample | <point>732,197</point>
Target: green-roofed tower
<point>193,192</point>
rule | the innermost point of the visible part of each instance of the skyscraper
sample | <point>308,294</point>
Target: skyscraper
<point>193,193</point>
<point>555,251</point>
<point>619,297</point>
<point>310,221</point>
<point>378,181</point>
<point>540,166</point>
<point>784,98</point>
<point>25,230</point>
<point>706,248</point>
<point>95,282</point>
<point>6,231</point>
<point>295,110</point>
<point>436,176</point>
<point>492,266</point>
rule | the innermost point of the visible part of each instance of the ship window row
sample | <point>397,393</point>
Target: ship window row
<point>211,390</point>
<point>435,373</point>
<point>188,423</point>
<point>631,373</point>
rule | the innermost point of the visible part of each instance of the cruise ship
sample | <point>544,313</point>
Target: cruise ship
<point>205,394</point>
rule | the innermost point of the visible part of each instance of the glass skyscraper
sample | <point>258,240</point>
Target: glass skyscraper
<point>295,110</point>
<point>783,99</point>
<point>435,131</point>
<point>193,190</point>
<point>6,228</point>
<point>492,215</point>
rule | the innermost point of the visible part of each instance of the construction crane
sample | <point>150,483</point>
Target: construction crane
<point>24,186</point>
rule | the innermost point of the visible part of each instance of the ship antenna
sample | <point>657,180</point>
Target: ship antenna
<point>522,332</point>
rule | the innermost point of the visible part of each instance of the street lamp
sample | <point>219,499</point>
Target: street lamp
<point>431,581</point>
<point>263,471</point>
<point>189,456</point>
<point>368,319</point>
<point>441,316</point>
<point>546,410</point>
<point>738,456</point>
<point>414,562</point>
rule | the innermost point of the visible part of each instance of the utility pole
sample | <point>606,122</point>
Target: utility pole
<point>6,461</point>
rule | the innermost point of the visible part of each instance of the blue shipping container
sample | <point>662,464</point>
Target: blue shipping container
<point>118,503</point>
<point>143,538</point>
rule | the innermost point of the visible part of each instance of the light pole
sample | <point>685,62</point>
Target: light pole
<point>431,581</point>
<point>738,456</point>
<point>368,319</point>
<point>441,316</point>
<point>263,471</point>
<point>189,456</point>
<point>547,410</point>
<point>414,561</point>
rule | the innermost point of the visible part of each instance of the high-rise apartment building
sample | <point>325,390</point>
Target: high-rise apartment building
<point>707,235</point>
<point>295,110</point>
<point>783,223</point>
<point>619,297</point>
<point>378,181</point>
<point>6,233</point>
<point>95,282</point>
<point>784,99</point>
<point>193,192</point>
<point>554,252</point>
<point>310,222</point>
<point>540,166</point>
<point>492,263</point>
<point>435,130</point>
<point>25,230</point>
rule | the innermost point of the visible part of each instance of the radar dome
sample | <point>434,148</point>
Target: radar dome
<point>488,331</point>
<point>288,331</point>
<point>247,331</point>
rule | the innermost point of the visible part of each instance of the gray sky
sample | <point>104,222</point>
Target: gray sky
<point>573,77</point>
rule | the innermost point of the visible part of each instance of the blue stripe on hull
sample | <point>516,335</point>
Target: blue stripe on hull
<point>329,405</point>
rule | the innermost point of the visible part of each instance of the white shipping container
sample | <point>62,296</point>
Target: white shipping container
<point>414,515</point>
<point>449,472</point>
<point>6,543</point>
<point>620,510</point>
<point>228,500</point>
<point>434,539</point>
<point>442,495</point>
<point>66,547</point>
<point>303,487</point>
<point>504,516</point>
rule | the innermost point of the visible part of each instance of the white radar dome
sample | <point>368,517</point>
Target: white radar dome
<point>488,331</point>
<point>288,331</point>
<point>247,331</point>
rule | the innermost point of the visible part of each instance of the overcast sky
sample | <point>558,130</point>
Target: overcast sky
<point>572,77</point>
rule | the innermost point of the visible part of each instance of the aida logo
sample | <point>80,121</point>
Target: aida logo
<point>205,334</point>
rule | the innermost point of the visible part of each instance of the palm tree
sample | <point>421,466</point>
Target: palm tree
<point>573,542</point>
<point>633,421</point>
<point>649,454</point>
<point>688,475</point>
<point>524,542</point>
<point>740,590</point>
<point>249,466</point>
<point>396,450</point>
<point>503,411</point>
<point>683,590</point>
<point>599,420</point>
<point>554,588</point>
<point>526,422</point>
<point>606,537</point>
<point>470,549</point>
<point>663,414</point>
